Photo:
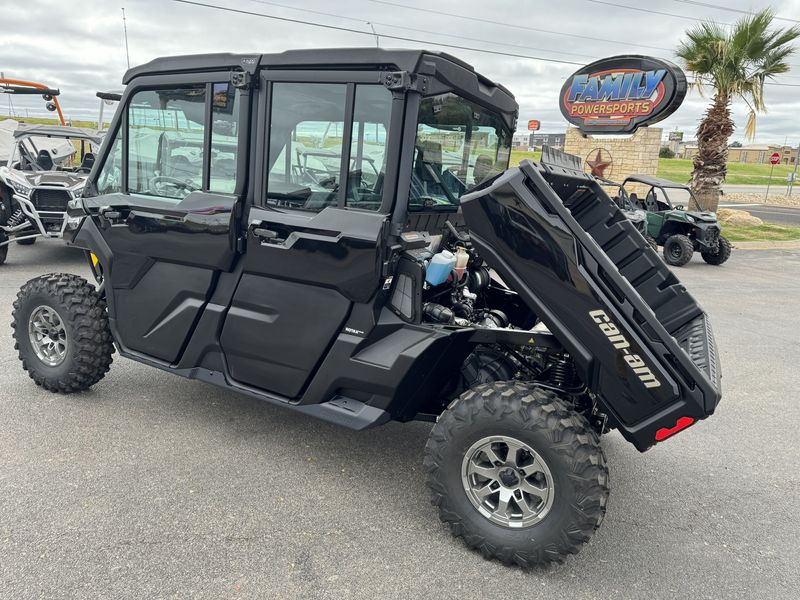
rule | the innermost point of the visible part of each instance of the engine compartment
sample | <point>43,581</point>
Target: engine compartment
<point>446,283</point>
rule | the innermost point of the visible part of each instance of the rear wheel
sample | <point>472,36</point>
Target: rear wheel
<point>28,242</point>
<point>722,254</point>
<point>678,250</point>
<point>61,332</point>
<point>652,241</point>
<point>517,474</point>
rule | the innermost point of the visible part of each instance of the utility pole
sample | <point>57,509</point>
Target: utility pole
<point>125,29</point>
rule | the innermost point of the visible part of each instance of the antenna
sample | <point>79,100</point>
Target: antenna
<point>377,39</point>
<point>125,29</point>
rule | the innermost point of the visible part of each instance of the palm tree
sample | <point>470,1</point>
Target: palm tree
<point>735,61</point>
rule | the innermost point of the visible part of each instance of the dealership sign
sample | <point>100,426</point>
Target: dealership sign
<point>622,93</point>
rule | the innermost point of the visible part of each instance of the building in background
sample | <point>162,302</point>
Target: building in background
<point>554,140</point>
<point>754,154</point>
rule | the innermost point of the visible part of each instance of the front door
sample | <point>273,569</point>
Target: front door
<point>164,206</point>
<point>316,232</point>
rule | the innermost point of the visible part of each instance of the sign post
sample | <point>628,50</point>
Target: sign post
<point>774,159</point>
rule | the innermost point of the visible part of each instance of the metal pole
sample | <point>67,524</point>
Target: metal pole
<point>769,181</point>
<point>377,39</point>
<point>125,29</point>
<point>794,173</point>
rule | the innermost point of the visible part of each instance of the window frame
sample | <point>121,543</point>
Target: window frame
<point>120,126</point>
<point>352,79</point>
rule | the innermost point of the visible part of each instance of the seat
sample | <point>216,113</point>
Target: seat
<point>44,160</point>
<point>87,163</point>
<point>650,203</point>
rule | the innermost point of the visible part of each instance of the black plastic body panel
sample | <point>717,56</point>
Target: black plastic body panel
<point>561,242</point>
<point>276,332</point>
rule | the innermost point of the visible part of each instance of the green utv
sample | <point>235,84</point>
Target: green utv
<point>681,232</point>
<point>337,232</point>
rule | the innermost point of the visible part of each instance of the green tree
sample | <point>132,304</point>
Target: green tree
<point>735,62</point>
<point>665,152</point>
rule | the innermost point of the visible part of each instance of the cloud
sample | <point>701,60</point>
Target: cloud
<point>79,47</point>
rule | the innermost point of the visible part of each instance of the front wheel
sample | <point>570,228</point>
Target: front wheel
<point>61,332</point>
<point>722,254</point>
<point>678,250</point>
<point>517,474</point>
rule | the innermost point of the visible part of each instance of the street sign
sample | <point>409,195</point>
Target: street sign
<point>775,158</point>
<point>675,136</point>
<point>533,125</point>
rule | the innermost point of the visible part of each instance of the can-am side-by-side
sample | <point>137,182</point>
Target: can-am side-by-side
<point>338,232</point>
<point>46,168</point>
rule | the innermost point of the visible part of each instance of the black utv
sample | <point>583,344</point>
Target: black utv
<point>338,232</point>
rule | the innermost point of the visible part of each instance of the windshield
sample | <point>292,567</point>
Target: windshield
<point>459,145</point>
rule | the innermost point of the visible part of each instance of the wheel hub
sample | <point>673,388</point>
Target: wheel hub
<point>507,481</point>
<point>509,478</point>
<point>48,336</point>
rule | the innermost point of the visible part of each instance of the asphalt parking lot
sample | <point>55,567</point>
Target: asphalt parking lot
<point>151,486</point>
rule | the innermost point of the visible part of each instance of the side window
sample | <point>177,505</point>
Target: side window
<point>165,142</point>
<point>306,143</point>
<point>224,137</point>
<point>109,181</point>
<point>368,146</point>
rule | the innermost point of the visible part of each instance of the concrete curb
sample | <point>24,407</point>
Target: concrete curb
<point>767,245</point>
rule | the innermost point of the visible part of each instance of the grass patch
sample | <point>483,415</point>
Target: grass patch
<point>760,233</point>
<point>48,121</point>
<point>679,170</point>
<point>519,155</point>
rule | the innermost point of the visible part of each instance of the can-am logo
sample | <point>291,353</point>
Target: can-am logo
<point>622,93</point>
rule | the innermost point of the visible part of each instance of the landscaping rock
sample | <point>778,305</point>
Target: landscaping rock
<point>732,216</point>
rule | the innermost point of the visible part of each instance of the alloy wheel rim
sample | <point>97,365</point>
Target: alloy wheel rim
<point>48,336</point>
<point>507,481</point>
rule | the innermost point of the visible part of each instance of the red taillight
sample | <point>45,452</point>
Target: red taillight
<point>682,423</point>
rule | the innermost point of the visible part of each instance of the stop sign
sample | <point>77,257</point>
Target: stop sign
<point>775,158</point>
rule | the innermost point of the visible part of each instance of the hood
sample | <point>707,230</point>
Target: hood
<point>64,179</point>
<point>703,217</point>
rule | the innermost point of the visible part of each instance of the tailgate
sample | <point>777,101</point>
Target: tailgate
<point>639,340</point>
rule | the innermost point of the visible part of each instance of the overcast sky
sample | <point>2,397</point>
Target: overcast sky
<point>79,46</point>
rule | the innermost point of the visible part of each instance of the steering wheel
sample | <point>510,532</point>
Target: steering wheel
<point>155,184</point>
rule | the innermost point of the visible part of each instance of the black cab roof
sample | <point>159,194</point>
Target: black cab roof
<point>444,67</point>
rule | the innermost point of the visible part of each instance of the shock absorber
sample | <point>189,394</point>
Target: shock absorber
<point>16,219</point>
<point>562,372</point>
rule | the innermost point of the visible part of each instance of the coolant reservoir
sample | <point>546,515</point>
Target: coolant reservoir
<point>442,263</point>
<point>462,258</point>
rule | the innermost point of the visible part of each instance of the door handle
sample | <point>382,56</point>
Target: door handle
<point>110,214</point>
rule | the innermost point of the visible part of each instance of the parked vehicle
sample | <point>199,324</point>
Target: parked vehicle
<point>633,213</point>
<point>680,231</point>
<point>46,169</point>
<point>242,241</point>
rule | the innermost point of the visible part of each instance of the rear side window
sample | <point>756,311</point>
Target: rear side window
<point>305,148</point>
<point>368,147</point>
<point>311,137</point>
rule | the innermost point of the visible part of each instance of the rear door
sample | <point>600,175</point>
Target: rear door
<point>316,232</point>
<point>165,205</point>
